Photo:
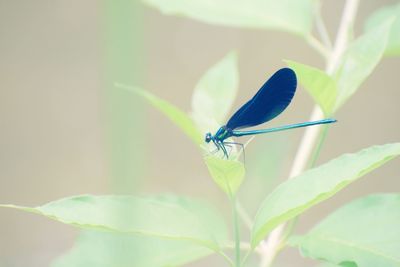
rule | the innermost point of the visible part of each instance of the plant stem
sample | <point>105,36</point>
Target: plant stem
<point>243,246</point>
<point>321,28</point>
<point>342,38</point>
<point>236,232</point>
<point>244,215</point>
<point>271,246</point>
<point>225,257</point>
<point>318,46</point>
<point>317,150</point>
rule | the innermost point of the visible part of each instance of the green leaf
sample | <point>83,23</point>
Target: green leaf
<point>327,264</point>
<point>102,249</point>
<point>363,233</point>
<point>215,92</point>
<point>359,61</point>
<point>166,216</point>
<point>296,195</point>
<point>378,17</point>
<point>318,84</point>
<point>227,174</point>
<point>285,15</point>
<point>180,118</point>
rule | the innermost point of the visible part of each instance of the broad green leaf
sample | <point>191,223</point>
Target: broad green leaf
<point>379,16</point>
<point>318,84</point>
<point>166,216</point>
<point>180,118</point>
<point>360,60</point>
<point>227,174</point>
<point>215,92</point>
<point>364,233</point>
<point>286,15</point>
<point>296,195</point>
<point>102,249</point>
<point>327,264</point>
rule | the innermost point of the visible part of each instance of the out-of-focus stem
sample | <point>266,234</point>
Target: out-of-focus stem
<point>320,142</point>
<point>236,232</point>
<point>270,247</point>
<point>342,38</point>
<point>244,215</point>
<point>318,46</point>
<point>321,28</point>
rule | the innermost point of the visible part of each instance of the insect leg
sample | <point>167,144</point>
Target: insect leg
<point>217,148</point>
<point>221,144</point>
<point>230,148</point>
<point>214,151</point>
<point>238,144</point>
<point>216,144</point>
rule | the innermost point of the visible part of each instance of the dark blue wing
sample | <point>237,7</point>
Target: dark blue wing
<point>272,98</point>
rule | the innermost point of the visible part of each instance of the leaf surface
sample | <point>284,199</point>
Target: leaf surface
<point>102,249</point>
<point>227,174</point>
<point>319,85</point>
<point>378,17</point>
<point>286,15</point>
<point>297,195</point>
<point>359,60</point>
<point>165,216</point>
<point>215,92</point>
<point>177,116</point>
<point>364,233</point>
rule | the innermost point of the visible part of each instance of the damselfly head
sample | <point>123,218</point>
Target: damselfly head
<point>208,137</point>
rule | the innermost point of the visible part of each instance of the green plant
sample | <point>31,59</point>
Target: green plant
<point>181,229</point>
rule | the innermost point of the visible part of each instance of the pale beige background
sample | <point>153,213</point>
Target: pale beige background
<point>51,133</point>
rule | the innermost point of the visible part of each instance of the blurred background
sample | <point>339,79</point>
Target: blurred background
<point>64,129</point>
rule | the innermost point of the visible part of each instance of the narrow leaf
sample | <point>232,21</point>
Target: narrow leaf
<point>215,92</point>
<point>378,17</point>
<point>297,195</point>
<point>167,216</point>
<point>363,233</point>
<point>102,249</point>
<point>227,174</point>
<point>180,118</point>
<point>318,84</point>
<point>285,15</point>
<point>359,61</point>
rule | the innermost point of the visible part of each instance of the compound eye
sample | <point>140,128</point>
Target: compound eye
<point>208,138</point>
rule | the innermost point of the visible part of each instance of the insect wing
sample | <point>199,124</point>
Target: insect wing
<point>272,98</point>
